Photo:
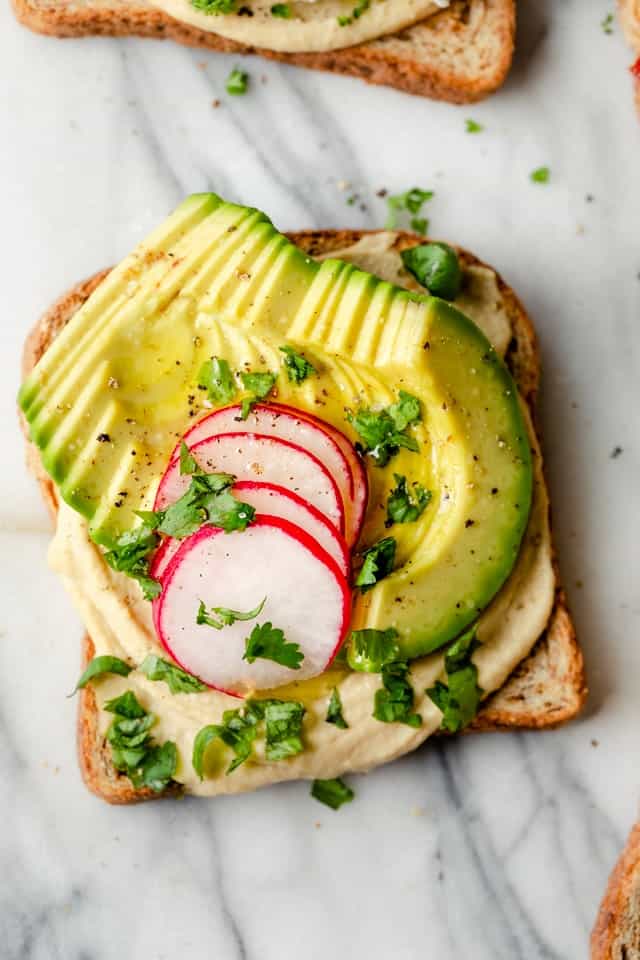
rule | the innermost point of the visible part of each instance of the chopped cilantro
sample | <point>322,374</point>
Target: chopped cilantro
<point>267,642</point>
<point>393,703</point>
<point>420,225</point>
<point>132,750</point>
<point>99,666</point>
<point>188,463</point>
<point>216,377</point>
<point>131,554</point>
<point>378,563</point>
<point>214,6</point>
<point>260,385</point>
<point>298,369</point>
<point>224,616</point>
<point>237,82</point>
<point>404,506</point>
<point>369,650</point>
<point>177,679</point>
<point>472,126</point>
<point>281,10</point>
<point>459,698</point>
<point>383,431</point>
<point>436,267</point>
<point>333,793</point>
<point>238,731</point>
<point>334,711</point>
<point>411,201</point>
<point>540,175</point>
<point>207,500</point>
<point>607,23</point>
<point>283,727</point>
<point>361,7</point>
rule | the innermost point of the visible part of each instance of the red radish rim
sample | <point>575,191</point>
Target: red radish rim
<point>317,514</point>
<point>278,408</point>
<point>158,555</point>
<point>276,440</point>
<point>289,529</point>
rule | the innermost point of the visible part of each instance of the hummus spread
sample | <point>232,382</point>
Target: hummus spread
<point>311,27</point>
<point>119,620</point>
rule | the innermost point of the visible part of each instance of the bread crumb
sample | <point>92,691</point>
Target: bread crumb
<point>595,743</point>
<point>215,103</point>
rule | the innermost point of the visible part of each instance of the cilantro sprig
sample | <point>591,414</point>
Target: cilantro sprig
<point>216,378</point>
<point>259,384</point>
<point>99,667</point>
<point>378,563</point>
<point>412,202</point>
<point>393,702</point>
<point>384,432</point>
<point>404,505</point>
<point>220,617</point>
<point>208,499</point>
<point>460,697</point>
<point>266,642</point>
<point>369,650</point>
<point>177,679</point>
<point>131,554</point>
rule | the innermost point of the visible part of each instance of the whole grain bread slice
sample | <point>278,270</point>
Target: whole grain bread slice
<point>629,13</point>
<point>616,935</point>
<point>461,54</point>
<point>548,688</point>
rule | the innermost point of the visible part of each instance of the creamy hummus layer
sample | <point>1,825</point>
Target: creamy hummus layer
<point>310,26</point>
<point>119,620</point>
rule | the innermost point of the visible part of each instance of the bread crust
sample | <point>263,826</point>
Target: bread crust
<point>444,35</point>
<point>616,934</point>
<point>548,688</point>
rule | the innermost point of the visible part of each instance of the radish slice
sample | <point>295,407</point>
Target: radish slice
<point>277,502</point>
<point>306,597</point>
<point>287,423</point>
<point>251,456</point>
<point>360,484</point>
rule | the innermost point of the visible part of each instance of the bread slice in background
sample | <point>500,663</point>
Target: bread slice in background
<point>548,688</point>
<point>629,12</point>
<point>616,935</point>
<point>461,54</point>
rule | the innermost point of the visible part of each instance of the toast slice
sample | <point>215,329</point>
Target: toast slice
<point>629,12</point>
<point>547,688</point>
<point>616,935</point>
<point>461,54</point>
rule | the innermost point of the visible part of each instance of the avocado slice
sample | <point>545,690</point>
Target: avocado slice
<point>117,388</point>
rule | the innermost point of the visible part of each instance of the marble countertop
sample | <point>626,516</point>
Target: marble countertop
<point>492,847</point>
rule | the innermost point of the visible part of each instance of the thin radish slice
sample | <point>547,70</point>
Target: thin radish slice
<point>268,498</point>
<point>251,456</point>
<point>297,427</point>
<point>306,597</point>
<point>360,484</point>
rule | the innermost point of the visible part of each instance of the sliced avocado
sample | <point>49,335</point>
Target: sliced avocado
<point>117,388</point>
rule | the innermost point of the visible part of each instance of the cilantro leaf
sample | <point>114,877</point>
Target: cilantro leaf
<point>207,500</point>
<point>361,7</point>
<point>237,731</point>
<point>131,554</point>
<point>436,267</point>
<point>369,650</point>
<point>214,6</point>
<point>378,563</point>
<point>126,705</point>
<point>383,432</point>
<point>237,82</point>
<point>188,463</point>
<point>281,10</point>
<point>283,727</point>
<point>472,126</point>
<point>298,369</point>
<point>411,200</point>
<point>334,711</point>
<point>333,793</point>
<point>541,175</point>
<point>607,24</point>
<point>402,506</point>
<point>260,385</point>
<point>420,225</point>
<point>267,642</point>
<point>216,378</point>
<point>393,703</point>
<point>99,666</point>
<point>460,697</point>
<point>177,679</point>
<point>132,751</point>
<point>226,616</point>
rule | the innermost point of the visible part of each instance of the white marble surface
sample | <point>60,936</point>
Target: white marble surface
<point>491,848</point>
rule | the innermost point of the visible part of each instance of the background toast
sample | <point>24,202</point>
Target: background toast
<point>461,55</point>
<point>616,935</point>
<point>546,689</point>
